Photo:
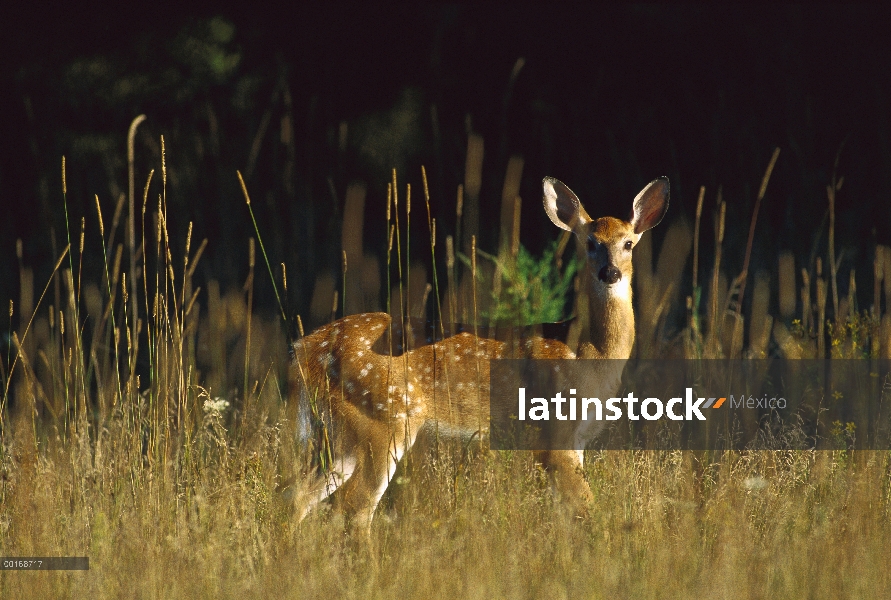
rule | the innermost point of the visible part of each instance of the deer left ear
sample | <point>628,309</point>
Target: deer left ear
<point>562,205</point>
<point>650,205</point>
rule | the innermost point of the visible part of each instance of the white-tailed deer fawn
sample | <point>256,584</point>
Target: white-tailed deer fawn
<point>374,403</point>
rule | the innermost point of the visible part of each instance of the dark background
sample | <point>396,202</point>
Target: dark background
<point>608,99</point>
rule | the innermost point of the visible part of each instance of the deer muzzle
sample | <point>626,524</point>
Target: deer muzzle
<point>609,274</point>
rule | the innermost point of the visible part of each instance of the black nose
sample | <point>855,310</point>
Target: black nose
<point>609,274</point>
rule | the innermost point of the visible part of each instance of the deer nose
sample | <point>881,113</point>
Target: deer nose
<point>609,274</point>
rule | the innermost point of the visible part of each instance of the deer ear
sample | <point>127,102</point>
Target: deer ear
<point>650,205</point>
<point>562,205</point>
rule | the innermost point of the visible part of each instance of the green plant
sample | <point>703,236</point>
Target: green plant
<point>527,289</point>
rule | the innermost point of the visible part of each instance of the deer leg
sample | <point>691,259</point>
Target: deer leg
<point>565,467</point>
<point>323,483</point>
<point>323,486</point>
<point>379,449</point>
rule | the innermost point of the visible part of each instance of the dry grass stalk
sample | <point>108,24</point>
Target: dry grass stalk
<point>660,291</point>
<point>249,287</point>
<point>760,322</point>
<point>887,281</point>
<point>807,318</point>
<point>787,287</point>
<point>734,335</point>
<point>831,251</point>
<point>670,266</point>
<point>712,349</point>
<point>509,193</point>
<point>459,214</point>
<point>515,228</point>
<point>422,307</point>
<point>473,181</point>
<point>878,272</point>
<point>131,194</point>
<point>831,190</point>
<point>821,311</point>
<point>417,288</point>
<point>696,236</point>
<point>450,275</point>
<point>761,191</point>
<point>26,299</point>
<point>693,302</point>
<point>352,245</point>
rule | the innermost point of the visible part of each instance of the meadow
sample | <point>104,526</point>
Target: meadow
<point>146,424</point>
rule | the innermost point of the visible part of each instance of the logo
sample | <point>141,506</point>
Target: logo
<point>650,409</point>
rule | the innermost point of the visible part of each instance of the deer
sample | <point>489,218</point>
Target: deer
<point>365,405</point>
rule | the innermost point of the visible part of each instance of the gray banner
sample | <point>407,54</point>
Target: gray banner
<point>45,563</point>
<point>690,404</point>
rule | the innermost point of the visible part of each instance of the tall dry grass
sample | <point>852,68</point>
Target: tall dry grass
<point>145,424</point>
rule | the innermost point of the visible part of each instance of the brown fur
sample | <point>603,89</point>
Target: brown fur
<point>375,403</point>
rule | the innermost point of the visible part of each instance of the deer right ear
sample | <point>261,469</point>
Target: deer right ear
<point>562,205</point>
<point>650,205</point>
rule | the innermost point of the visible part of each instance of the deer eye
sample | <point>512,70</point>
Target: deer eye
<point>592,244</point>
<point>628,245</point>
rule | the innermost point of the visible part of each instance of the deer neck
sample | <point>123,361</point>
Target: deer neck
<point>610,326</point>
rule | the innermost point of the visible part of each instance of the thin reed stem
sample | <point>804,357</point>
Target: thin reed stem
<point>131,189</point>
<point>247,199</point>
<point>716,276</point>
<point>117,360</point>
<point>762,190</point>
<point>249,285</point>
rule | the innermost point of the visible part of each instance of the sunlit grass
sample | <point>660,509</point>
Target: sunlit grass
<point>155,437</point>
